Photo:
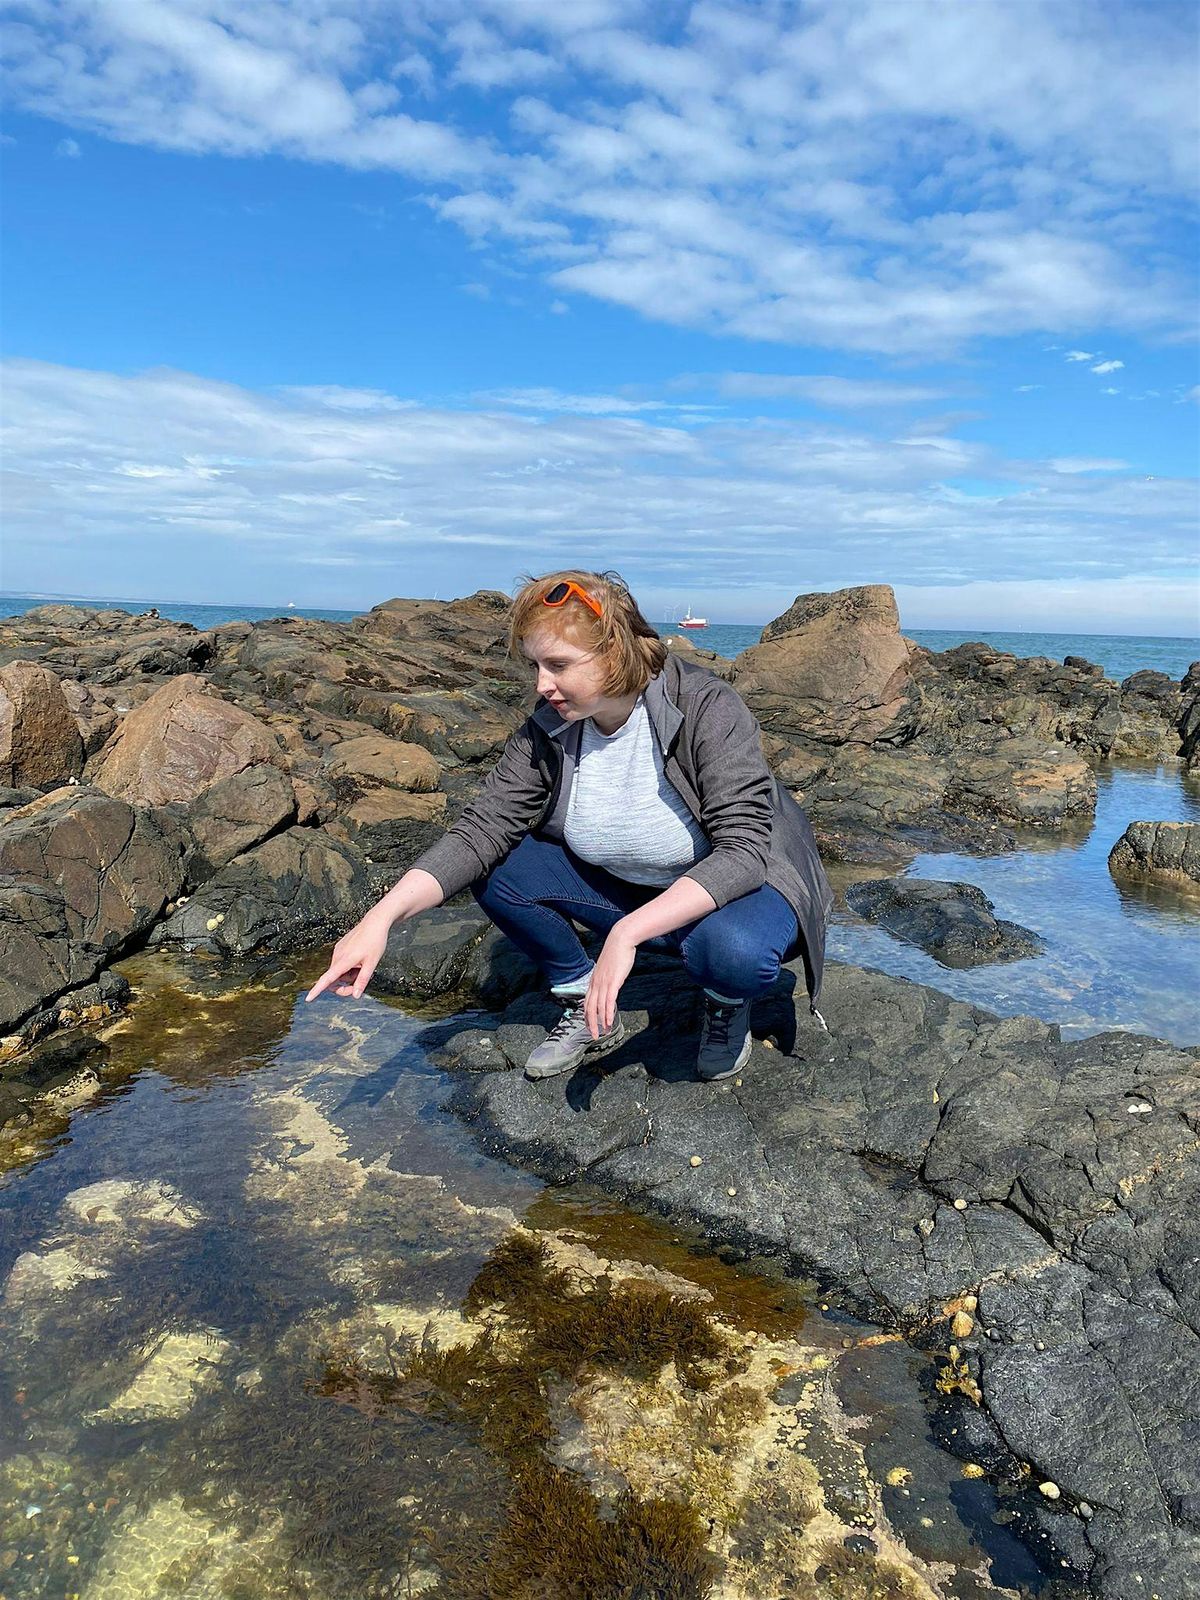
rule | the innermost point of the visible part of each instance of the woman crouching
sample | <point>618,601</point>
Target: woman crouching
<point>636,802</point>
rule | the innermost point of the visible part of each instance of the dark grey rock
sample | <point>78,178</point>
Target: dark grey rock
<point>232,817</point>
<point>1158,852</point>
<point>953,922</point>
<point>1074,1221</point>
<point>453,949</point>
<point>298,889</point>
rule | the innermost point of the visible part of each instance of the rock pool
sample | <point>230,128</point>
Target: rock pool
<point>272,1325</point>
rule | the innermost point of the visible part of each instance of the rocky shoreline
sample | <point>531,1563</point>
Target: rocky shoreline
<point>254,786</point>
<point>1029,1203</point>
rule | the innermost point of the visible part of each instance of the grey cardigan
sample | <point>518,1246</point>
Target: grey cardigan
<point>712,755</point>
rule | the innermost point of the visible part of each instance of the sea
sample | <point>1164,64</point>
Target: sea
<point>1119,654</point>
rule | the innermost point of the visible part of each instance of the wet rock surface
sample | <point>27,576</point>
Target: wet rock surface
<point>1163,852</point>
<point>921,1156</point>
<point>952,921</point>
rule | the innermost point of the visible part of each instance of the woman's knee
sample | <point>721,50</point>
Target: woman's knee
<point>730,958</point>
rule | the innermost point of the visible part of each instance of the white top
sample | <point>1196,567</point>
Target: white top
<point>623,813</point>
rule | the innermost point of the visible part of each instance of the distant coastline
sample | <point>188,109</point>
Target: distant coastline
<point>1119,654</point>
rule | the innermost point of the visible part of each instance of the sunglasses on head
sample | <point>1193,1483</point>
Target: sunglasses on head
<point>562,592</point>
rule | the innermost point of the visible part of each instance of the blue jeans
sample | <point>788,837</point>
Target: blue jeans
<point>540,888</point>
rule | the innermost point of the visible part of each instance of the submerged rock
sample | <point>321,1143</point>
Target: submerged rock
<point>953,922</point>
<point>1161,852</point>
<point>1074,1224</point>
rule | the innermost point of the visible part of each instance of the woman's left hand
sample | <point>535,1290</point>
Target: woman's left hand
<point>612,967</point>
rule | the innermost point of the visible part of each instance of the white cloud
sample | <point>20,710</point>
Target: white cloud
<point>1079,355</point>
<point>338,398</point>
<point>834,392</point>
<point>114,479</point>
<point>1108,366</point>
<point>855,175</point>
<point>68,150</point>
<point>584,405</point>
<point>1110,391</point>
<point>1026,388</point>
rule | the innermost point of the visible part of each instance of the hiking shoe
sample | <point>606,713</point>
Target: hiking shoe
<point>725,1040</point>
<point>569,1042</point>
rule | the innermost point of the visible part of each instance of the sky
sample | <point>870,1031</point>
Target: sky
<point>324,302</point>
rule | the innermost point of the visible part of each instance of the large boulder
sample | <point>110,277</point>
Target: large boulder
<point>179,742</point>
<point>233,816</point>
<point>952,922</point>
<point>83,877</point>
<point>298,889</point>
<point>39,741</point>
<point>834,668</point>
<point>1158,852</point>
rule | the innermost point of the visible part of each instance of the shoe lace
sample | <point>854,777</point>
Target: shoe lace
<point>718,1018</point>
<point>568,1021</point>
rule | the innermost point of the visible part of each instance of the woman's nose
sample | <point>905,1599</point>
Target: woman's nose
<point>545,682</point>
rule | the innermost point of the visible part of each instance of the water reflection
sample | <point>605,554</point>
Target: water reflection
<point>1117,955</point>
<point>270,1325</point>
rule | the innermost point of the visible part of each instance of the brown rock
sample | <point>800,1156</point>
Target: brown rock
<point>181,741</point>
<point>1022,781</point>
<point>834,668</point>
<point>81,876</point>
<point>393,827</point>
<point>39,740</point>
<point>94,713</point>
<point>233,816</point>
<point>374,761</point>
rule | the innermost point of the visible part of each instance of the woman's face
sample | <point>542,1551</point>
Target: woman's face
<point>570,677</point>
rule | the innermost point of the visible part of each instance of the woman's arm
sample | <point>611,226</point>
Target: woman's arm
<point>359,952</point>
<point>683,902</point>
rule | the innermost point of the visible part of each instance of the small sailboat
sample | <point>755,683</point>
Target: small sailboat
<point>291,605</point>
<point>689,621</point>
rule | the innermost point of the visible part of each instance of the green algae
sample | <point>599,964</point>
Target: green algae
<point>554,1538</point>
<point>857,1575</point>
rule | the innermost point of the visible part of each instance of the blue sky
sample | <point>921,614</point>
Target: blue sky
<point>325,302</point>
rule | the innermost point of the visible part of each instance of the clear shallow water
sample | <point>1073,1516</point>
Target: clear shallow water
<point>1116,956</point>
<point>1118,654</point>
<point>229,1283</point>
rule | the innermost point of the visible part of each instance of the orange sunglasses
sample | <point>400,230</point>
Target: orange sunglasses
<point>562,592</point>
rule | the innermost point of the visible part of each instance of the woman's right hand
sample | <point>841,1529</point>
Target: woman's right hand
<point>355,957</point>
